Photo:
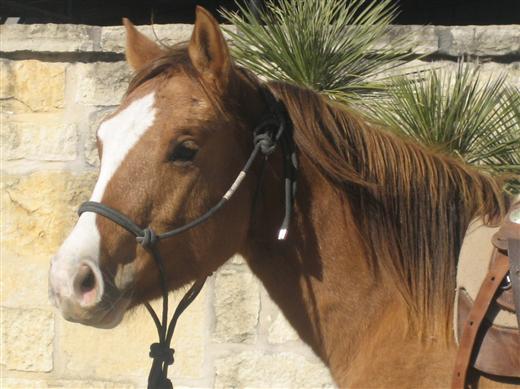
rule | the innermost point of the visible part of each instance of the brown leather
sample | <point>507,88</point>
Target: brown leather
<point>504,297</point>
<point>507,238</point>
<point>497,349</point>
<point>514,274</point>
<point>481,305</point>
<point>509,230</point>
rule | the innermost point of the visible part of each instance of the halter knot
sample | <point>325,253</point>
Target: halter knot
<point>266,142</point>
<point>148,239</point>
<point>162,352</point>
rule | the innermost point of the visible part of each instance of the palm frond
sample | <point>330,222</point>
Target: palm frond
<point>459,113</point>
<point>327,46</point>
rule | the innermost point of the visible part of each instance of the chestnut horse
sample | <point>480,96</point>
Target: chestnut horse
<point>366,274</point>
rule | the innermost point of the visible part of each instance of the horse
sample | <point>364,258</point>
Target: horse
<point>366,273</point>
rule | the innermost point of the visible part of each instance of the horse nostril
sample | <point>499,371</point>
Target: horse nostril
<point>85,285</point>
<point>88,283</point>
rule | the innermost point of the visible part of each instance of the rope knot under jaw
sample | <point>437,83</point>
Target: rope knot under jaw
<point>162,353</point>
<point>148,239</point>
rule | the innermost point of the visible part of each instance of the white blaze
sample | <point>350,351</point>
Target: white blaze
<point>118,135</point>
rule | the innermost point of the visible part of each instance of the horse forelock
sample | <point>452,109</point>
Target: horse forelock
<point>176,60</point>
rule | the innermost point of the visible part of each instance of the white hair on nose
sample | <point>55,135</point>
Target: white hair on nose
<point>118,135</point>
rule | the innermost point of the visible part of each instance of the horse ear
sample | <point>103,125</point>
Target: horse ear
<point>208,49</point>
<point>140,50</point>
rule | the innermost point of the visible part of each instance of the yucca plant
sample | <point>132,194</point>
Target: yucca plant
<point>332,47</point>
<point>329,46</point>
<point>459,113</point>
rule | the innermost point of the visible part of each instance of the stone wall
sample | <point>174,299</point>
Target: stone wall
<point>56,83</point>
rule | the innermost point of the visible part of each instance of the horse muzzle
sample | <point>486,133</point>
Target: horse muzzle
<point>78,291</point>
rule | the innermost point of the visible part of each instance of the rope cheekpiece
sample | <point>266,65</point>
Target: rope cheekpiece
<point>276,128</point>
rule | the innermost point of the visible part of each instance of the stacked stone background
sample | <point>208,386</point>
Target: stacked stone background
<point>56,84</point>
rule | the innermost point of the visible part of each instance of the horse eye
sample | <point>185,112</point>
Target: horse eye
<point>183,152</point>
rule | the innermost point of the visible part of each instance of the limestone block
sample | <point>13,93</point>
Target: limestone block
<point>27,337</point>
<point>513,71</point>
<point>237,306</point>
<point>17,383</point>
<point>102,83</point>
<point>479,40</point>
<point>280,331</point>
<point>487,69</point>
<point>22,383</point>
<point>122,353</point>
<point>88,384</point>
<point>190,338</point>
<point>263,370</point>
<point>113,38</point>
<point>40,137</point>
<point>46,37</point>
<point>39,210</point>
<point>422,38</point>
<point>31,86</point>
<point>497,40</point>
<point>24,281</point>
<point>410,67</point>
<point>494,70</point>
<point>90,147</point>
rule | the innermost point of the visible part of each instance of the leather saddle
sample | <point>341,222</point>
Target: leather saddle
<point>483,345</point>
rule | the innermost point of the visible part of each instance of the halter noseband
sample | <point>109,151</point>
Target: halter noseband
<point>276,128</point>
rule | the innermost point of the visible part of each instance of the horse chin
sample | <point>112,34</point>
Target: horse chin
<point>103,319</point>
<point>111,321</point>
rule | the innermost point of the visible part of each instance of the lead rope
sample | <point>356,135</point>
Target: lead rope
<point>161,353</point>
<point>273,130</point>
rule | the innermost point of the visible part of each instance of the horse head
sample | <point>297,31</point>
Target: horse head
<point>168,154</point>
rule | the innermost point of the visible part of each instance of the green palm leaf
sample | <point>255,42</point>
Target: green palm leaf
<point>327,46</point>
<point>459,113</point>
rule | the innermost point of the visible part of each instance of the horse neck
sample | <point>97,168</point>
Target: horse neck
<point>320,276</point>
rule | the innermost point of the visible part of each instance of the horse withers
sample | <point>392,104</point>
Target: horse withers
<point>366,273</point>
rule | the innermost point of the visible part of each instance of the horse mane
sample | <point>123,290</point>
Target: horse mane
<point>412,205</point>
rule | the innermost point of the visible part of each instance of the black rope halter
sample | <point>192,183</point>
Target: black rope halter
<point>275,128</point>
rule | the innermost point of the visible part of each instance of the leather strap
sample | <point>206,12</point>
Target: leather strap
<point>497,348</point>
<point>507,239</point>
<point>485,295</point>
<point>514,273</point>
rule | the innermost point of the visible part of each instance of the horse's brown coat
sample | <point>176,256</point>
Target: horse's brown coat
<point>366,276</point>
